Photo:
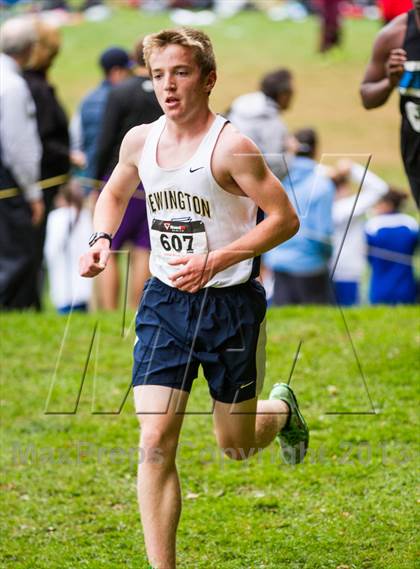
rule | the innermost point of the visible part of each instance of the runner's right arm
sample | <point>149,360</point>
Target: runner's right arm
<point>113,200</point>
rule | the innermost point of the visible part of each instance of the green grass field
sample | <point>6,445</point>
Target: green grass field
<point>68,480</point>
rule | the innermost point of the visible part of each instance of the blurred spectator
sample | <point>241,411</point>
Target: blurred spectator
<point>86,123</point>
<point>87,4</point>
<point>392,238</point>
<point>55,5</point>
<point>21,205</point>
<point>331,24</point>
<point>300,265</point>
<point>68,230</point>
<point>154,5</point>
<point>352,252</point>
<point>258,115</point>
<point>52,124</point>
<point>130,103</point>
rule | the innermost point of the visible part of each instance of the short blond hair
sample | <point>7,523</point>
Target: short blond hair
<point>194,39</point>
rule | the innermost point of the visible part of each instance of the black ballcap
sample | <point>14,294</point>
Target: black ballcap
<point>115,57</point>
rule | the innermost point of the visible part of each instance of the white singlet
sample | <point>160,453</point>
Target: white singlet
<point>188,212</point>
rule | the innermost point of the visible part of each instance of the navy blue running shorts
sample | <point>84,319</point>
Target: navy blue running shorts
<point>223,329</point>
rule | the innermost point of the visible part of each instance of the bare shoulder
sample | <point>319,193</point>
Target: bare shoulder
<point>392,35</point>
<point>232,140</point>
<point>136,136</point>
<point>133,143</point>
<point>235,150</point>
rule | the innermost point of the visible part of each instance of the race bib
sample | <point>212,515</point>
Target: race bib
<point>177,238</point>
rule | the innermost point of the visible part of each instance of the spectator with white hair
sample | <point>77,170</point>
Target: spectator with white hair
<point>52,125</point>
<point>21,205</point>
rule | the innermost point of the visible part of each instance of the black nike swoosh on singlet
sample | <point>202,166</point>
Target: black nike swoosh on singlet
<point>195,169</point>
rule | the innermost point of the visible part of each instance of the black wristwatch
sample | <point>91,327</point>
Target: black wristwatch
<point>99,235</point>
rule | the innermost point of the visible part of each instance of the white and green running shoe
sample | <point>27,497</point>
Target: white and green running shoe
<point>294,436</point>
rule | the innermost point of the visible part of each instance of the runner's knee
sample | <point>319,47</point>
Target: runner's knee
<point>158,442</point>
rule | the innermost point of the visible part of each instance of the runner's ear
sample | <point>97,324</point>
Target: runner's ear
<point>210,82</point>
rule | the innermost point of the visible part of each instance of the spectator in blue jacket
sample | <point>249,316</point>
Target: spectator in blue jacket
<point>392,238</point>
<point>87,122</point>
<point>300,265</point>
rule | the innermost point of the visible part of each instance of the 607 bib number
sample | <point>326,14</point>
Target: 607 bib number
<point>177,242</point>
<point>176,238</point>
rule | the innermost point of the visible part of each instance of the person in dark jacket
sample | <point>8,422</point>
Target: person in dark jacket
<point>52,125</point>
<point>130,103</point>
<point>86,123</point>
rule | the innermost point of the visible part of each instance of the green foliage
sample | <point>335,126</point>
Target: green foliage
<point>69,497</point>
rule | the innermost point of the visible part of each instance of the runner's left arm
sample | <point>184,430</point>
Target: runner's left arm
<point>250,174</point>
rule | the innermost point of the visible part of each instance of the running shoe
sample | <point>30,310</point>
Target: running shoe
<point>294,436</point>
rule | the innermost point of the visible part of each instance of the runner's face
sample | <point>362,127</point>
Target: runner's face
<point>177,80</point>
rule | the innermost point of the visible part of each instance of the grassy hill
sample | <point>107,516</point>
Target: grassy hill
<point>69,479</point>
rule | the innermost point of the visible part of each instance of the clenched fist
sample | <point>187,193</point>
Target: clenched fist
<point>395,65</point>
<point>94,261</point>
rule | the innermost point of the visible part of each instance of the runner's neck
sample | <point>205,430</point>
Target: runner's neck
<point>194,126</point>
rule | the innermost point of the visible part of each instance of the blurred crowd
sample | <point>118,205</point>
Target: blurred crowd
<point>52,168</point>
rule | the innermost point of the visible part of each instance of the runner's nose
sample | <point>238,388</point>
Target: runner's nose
<point>169,84</point>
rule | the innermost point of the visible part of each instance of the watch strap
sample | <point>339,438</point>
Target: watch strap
<point>100,235</point>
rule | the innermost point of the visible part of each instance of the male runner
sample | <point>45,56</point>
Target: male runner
<point>204,183</point>
<point>395,62</point>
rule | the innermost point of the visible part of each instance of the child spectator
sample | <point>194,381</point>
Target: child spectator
<point>392,238</point>
<point>68,230</point>
<point>348,262</point>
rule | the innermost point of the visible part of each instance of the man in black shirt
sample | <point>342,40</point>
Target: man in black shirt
<point>129,104</point>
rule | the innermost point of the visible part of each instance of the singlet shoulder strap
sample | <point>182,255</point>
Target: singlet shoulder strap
<point>411,21</point>
<point>205,150</point>
<point>149,148</point>
<point>412,34</point>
